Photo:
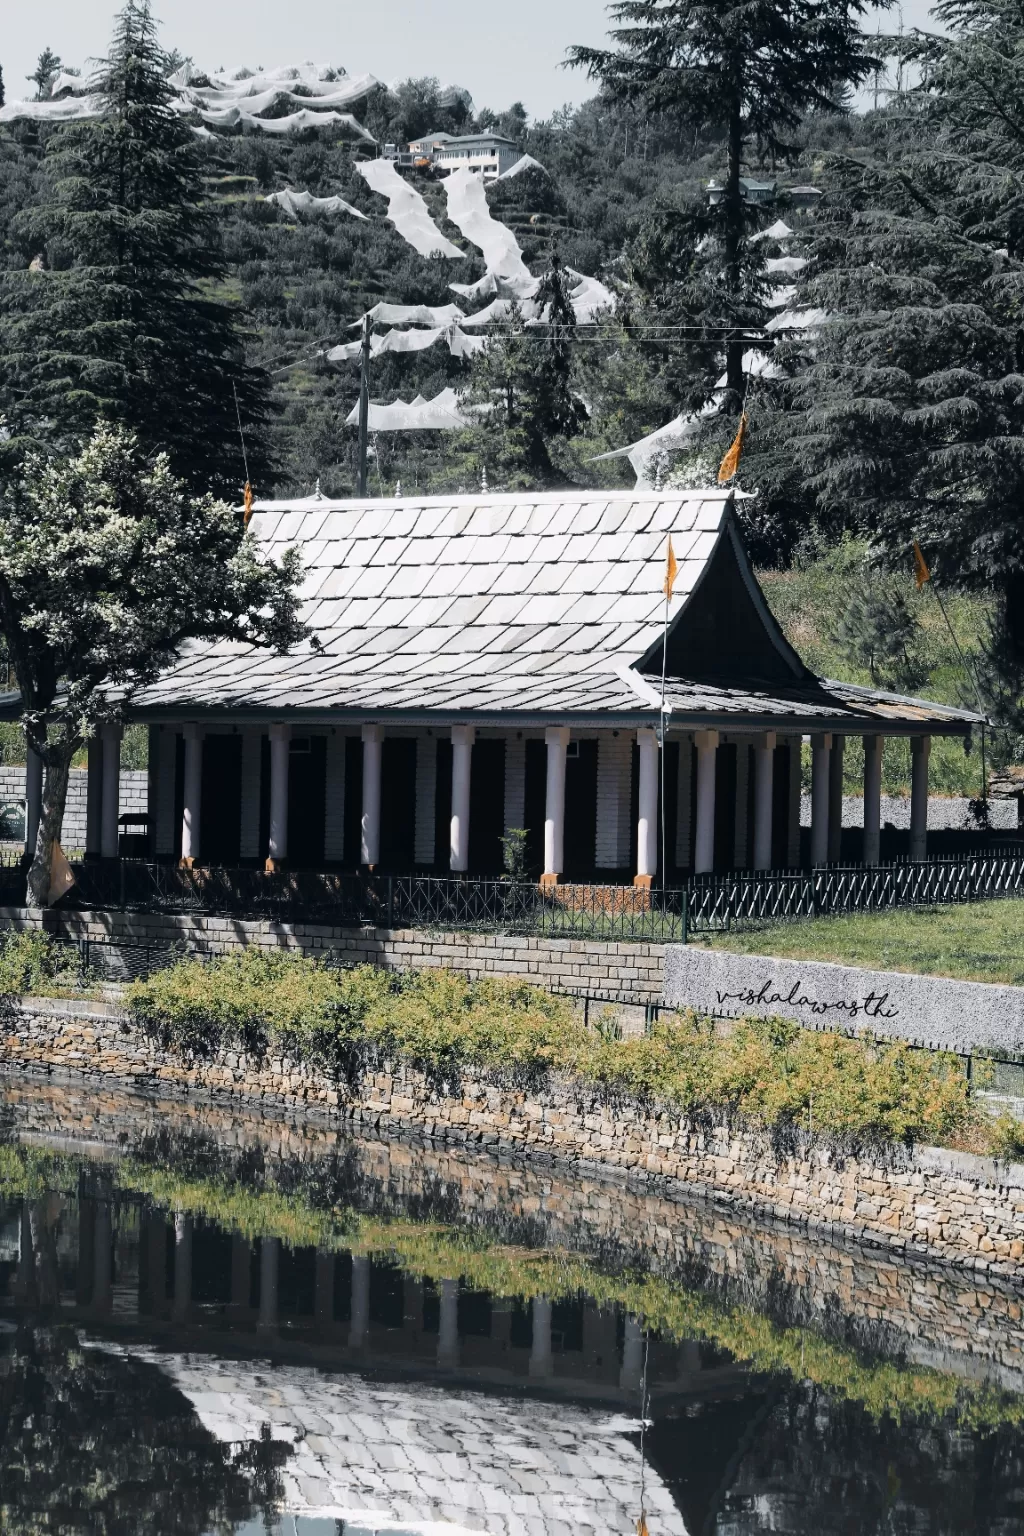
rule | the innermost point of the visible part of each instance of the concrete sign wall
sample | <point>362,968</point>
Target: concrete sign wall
<point>927,1010</point>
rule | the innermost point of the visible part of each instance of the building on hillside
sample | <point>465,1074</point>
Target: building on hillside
<point>750,190</point>
<point>487,153</point>
<point>803,197</point>
<point>429,143</point>
<point>484,663</point>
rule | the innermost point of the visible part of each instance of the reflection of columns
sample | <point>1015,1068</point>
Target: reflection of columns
<point>33,799</point>
<point>821,752</point>
<point>920,751</point>
<point>448,1324</point>
<point>86,1244</point>
<point>111,786</point>
<point>557,739</point>
<point>360,1314</point>
<point>102,1277</point>
<point>270,1253</point>
<point>323,1289</point>
<point>764,787</point>
<point>706,743</point>
<point>94,797</point>
<point>156,1262</point>
<point>241,1274</point>
<point>632,1373</point>
<point>872,848</point>
<point>835,800</point>
<point>647,810</point>
<point>540,1350</point>
<point>192,797</point>
<point>370,849</point>
<point>462,763</point>
<point>277,843</point>
<point>182,1266</point>
<point>25,1282</point>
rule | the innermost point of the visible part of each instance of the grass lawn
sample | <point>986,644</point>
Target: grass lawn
<point>980,942</point>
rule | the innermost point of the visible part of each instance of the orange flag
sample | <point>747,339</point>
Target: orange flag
<point>247,502</point>
<point>731,463</point>
<point>61,875</point>
<point>921,571</point>
<point>671,569</point>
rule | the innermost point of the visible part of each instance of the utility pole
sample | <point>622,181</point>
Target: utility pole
<point>364,403</point>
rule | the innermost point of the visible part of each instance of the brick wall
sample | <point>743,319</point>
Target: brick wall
<point>134,797</point>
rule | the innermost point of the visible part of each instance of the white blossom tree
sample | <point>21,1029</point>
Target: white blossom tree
<point>107,565</point>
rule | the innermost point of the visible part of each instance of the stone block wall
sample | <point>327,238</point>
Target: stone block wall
<point>133,798</point>
<point>956,1207</point>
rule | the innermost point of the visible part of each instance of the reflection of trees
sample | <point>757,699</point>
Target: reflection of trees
<point>98,1444</point>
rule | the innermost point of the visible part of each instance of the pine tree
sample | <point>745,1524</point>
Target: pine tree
<point>47,66</point>
<point>747,70</point>
<point>124,325</point>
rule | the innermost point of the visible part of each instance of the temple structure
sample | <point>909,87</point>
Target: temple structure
<point>482,663</point>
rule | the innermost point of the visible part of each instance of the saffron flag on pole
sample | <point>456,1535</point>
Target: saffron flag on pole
<point>731,463</point>
<point>921,571</point>
<point>62,876</point>
<point>671,569</point>
<point>247,502</point>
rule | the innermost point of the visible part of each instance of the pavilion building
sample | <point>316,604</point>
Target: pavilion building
<point>482,663</point>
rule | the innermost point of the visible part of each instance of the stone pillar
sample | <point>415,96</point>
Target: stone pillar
<point>182,1267</point>
<point>540,1349</point>
<point>706,743</point>
<point>821,752</point>
<point>872,846</point>
<point>192,800</point>
<point>448,1325</point>
<point>764,791</point>
<point>359,1316</point>
<point>462,764</point>
<point>835,800</point>
<point>632,1373</point>
<point>647,810</point>
<point>111,789</point>
<point>277,842</point>
<point>557,739</point>
<point>33,799</point>
<point>920,751</point>
<point>94,798</point>
<point>270,1255</point>
<point>370,833</point>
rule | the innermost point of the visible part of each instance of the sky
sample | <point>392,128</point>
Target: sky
<point>500,53</point>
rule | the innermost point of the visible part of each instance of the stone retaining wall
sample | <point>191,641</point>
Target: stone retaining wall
<point>963,1209</point>
<point>619,972</point>
<point>922,1308</point>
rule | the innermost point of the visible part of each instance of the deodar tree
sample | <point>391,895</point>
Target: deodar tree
<point>745,71</point>
<point>108,564</point>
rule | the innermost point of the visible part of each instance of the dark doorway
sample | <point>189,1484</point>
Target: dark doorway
<point>353,802</point>
<point>751,752</point>
<point>220,806</point>
<point>486,807</point>
<point>580,809</point>
<point>673,756</point>
<point>397,803</point>
<point>725,807</point>
<point>179,791</point>
<point>443,808</point>
<point>535,803</point>
<point>780,807</point>
<point>307,801</point>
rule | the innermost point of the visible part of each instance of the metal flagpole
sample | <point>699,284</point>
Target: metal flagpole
<point>364,403</point>
<point>661,734</point>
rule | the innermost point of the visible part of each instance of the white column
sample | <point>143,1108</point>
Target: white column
<point>277,842</point>
<point>835,800</point>
<point>557,739</point>
<point>33,799</point>
<point>192,800</point>
<point>821,753</point>
<point>94,798</point>
<point>706,743</point>
<point>764,788</point>
<point>182,1266</point>
<point>920,751</point>
<point>111,789</point>
<point>872,847</point>
<point>370,835</point>
<point>462,764</point>
<point>647,809</point>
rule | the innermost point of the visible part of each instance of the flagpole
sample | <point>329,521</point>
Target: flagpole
<point>661,733</point>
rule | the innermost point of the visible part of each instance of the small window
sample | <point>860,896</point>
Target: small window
<point>573,749</point>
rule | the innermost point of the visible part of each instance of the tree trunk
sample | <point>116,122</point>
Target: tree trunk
<point>57,760</point>
<point>733,201</point>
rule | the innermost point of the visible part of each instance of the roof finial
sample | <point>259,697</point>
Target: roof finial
<point>483,479</point>
<point>318,493</point>
<point>398,489</point>
<point>657,476</point>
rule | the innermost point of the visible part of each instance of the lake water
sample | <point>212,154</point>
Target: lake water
<point>213,1324</point>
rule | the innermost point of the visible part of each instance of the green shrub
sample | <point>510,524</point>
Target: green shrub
<point>773,1074</point>
<point>1006,1138</point>
<point>33,962</point>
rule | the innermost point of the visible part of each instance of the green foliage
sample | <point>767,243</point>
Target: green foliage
<point>769,1073</point>
<point>877,630</point>
<point>514,853</point>
<point>1006,1137</point>
<point>33,963</point>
